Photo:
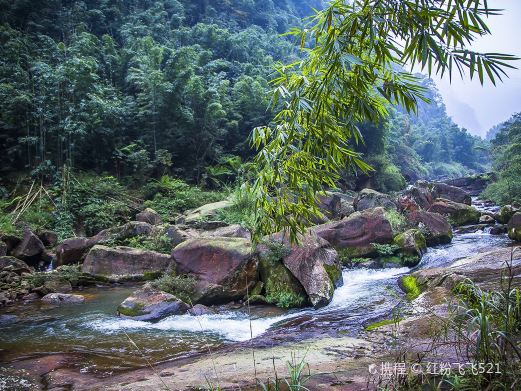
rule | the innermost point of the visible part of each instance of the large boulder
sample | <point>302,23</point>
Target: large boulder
<point>205,212</point>
<point>412,246</point>
<point>231,231</point>
<point>514,227</point>
<point>125,231</point>
<point>225,268</point>
<point>487,269</point>
<point>73,250</point>
<point>369,199</point>
<point>435,227</point>
<point>458,214</point>
<point>486,219</point>
<point>505,213</point>
<point>314,263</point>
<point>14,265</point>
<point>199,310</point>
<point>149,216</point>
<point>123,263</point>
<point>473,185</point>
<point>358,231</point>
<point>178,234</point>
<point>62,298</point>
<point>30,248</point>
<point>415,198</point>
<point>48,238</point>
<point>53,283</point>
<point>452,193</point>
<point>347,201</point>
<point>11,240</point>
<point>329,204</point>
<point>279,285</point>
<point>150,304</point>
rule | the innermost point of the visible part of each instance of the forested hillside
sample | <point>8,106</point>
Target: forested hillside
<point>130,86</point>
<point>142,88</point>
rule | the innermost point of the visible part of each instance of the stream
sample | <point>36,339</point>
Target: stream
<point>101,342</point>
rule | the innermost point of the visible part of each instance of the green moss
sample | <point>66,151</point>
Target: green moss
<point>280,286</point>
<point>384,250</point>
<point>135,310</point>
<point>183,287</point>
<point>394,259</point>
<point>151,275</point>
<point>334,273</point>
<point>290,299</point>
<point>346,254</point>
<point>381,323</point>
<point>156,242</point>
<point>409,285</point>
<point>410,260</point>
<point>257,289</point>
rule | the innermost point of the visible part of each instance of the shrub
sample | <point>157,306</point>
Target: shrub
<point>396,219</point>
<point>183,287</point>
<point>287,300</point>
<point>504,191</point>
<point>98,203</point>
<point>157,242</point>
<point>170,196</point>
<point>242,209</point>
<point>385,250</point>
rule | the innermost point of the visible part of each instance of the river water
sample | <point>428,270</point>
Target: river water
<point>101,341</point>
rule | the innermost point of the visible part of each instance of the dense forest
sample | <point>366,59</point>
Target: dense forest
<point>143,88</point>
<point>160,99</point>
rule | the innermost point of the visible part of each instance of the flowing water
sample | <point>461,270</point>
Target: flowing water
<point>101,341</point>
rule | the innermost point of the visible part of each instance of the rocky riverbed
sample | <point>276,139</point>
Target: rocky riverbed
<point>351,283</point>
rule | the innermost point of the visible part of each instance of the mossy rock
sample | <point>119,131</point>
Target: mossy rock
<point>346,254</point>
<point>280,286</point>
<point>411,242</point>
<point>514,227</point>
<point>135,310</point>
<point>505,214</point>
<point>409,285</point>
<point>335,274</point>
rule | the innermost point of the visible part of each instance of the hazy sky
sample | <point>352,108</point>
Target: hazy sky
<point>477,107</point>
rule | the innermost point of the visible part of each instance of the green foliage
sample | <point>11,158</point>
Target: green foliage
<point>350,71</point>
<point>156,242</point>
<point>385,250</point>
<point>242,209</point>
<point>396,219</point>
<point>6,225</point>
<point>71,273</point>
<point>276,251</point>
<point>183,286</point>
<point>507,161</point>
<point>136,90</point>
<point>381,323</point>
<point>287,299</point>
<point>98,203</point>
<point>297,377</point>
<point>170,196</point>
<point>410,286</point>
